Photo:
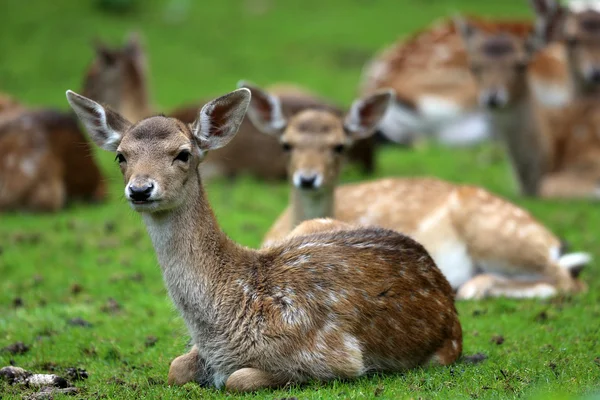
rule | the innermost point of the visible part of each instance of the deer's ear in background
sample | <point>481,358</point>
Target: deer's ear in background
<point>265,110</point>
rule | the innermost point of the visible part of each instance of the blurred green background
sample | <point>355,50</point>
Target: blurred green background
<point>95,263</point>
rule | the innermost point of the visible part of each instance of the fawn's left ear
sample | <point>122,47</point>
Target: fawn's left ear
<point>104,126</point>
<point>220,119</point>
<point>366,113</point>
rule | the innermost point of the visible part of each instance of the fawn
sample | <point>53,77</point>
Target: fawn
<point>484,245</point>
<point>45,161</point>
<point>118,78</point>
<point>319,306</point>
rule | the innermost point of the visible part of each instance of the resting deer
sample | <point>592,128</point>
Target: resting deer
<point>118,78</point>
<point>430,72</point>
<point>45,161</point>
<point>484,245</point>
<point>318,306</point>
<point>554,153</point>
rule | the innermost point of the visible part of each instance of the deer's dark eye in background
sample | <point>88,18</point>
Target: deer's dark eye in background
<point>120,158</point>
<point>339,148</point>
<point>286,147</point>
<point>183,156</point>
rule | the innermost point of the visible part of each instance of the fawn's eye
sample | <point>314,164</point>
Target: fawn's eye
<point>286,147</point>
<point>120,158</point>
<point>183,156</point>
<point>339,148</point>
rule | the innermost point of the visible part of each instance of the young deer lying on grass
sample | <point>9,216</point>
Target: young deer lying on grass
<point>319,306</point>
<point>484,245</point>
<point>554,154</point>
<point>118,78</point>
<point>45,161</point>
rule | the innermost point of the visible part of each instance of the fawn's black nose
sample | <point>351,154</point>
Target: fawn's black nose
<point>140,192</point>
<point>308,182</point>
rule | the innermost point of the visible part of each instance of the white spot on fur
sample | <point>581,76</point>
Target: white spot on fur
<point>28,166</point>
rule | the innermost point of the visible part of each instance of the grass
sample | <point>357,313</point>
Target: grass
<point>96,263</point>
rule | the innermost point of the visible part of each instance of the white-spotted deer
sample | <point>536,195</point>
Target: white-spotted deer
<point>484,245</point>
<point>554,152</point>
<point>118,78</point>
<point>45,160</point>
<point>318,306</point>
<point>430,73</point>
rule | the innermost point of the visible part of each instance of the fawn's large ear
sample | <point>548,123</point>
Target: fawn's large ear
<point>104,126</point>
<point>549,19</point>
<point>365,114</point>
<point>220,119</point>
<point>265,110</point>
<point>466,29</point>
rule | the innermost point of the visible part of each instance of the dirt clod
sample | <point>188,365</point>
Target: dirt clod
<point>111,306</point>
<point>79,322</point>
<point>475,358</point>
<point>16,348</point>
<point>497,339</point>
<point>541,317</point>
<point>150,341</point>
<point>76,288</point>
<point>76,374</point>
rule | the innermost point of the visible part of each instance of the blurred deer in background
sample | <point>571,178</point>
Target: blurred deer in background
<point>118,78</point>
<point>45,161</point>
<point>484,245</point>
<point>317,306</point>
<point>430,74</point>
<point>554,153</point>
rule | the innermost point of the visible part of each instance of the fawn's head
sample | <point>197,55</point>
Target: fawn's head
<point>498,62</point>
<point>159,156</point>
<point>116,73</point>
<point>316,138</point>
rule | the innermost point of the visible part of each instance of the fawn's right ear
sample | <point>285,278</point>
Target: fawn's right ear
<point>549,19</point>
<point>104,126</point>
<point>466,29</point>
<point>265,110</point>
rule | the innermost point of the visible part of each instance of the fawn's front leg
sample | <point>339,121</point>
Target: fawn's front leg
<point>186,368</point>
<point>252,379</point>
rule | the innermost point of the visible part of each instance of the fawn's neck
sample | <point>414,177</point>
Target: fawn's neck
<point>518,127</point>
<point>196,258</point>
<point>309,204</point>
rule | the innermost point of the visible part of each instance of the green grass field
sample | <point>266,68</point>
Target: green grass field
<point>96,263</point>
